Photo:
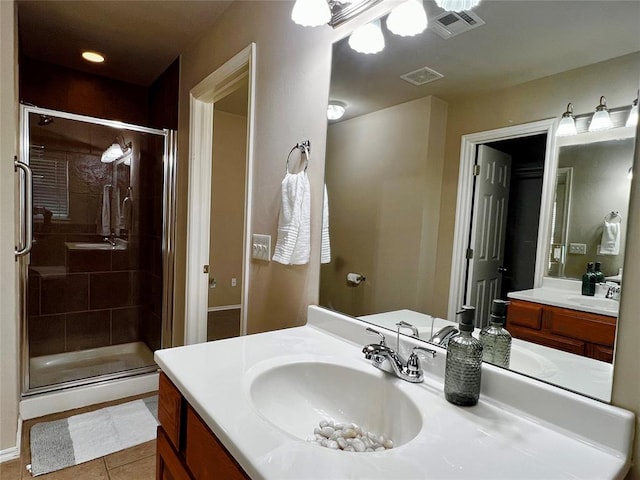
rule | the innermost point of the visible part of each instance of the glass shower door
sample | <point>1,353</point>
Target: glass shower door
<point>94,277</point>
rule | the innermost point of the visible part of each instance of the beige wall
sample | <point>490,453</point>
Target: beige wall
<point>9,387</point>
<point>528,102</point>
<point>383,179</point>
<point>227,207</point>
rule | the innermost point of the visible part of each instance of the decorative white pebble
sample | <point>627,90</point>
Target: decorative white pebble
<point>348,437</point>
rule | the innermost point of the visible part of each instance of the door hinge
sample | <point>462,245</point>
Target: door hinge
<point>205,269</point>
<point>476,170</point>
<point>469,254</point>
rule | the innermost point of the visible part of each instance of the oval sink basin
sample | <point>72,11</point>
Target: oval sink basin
<point>531,363</point>
<point>296,396</point>
<point>596,302</point>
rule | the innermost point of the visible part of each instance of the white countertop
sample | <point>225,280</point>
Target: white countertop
<point>566,294</point>
<point>507,435</point>
<point>581,374</point>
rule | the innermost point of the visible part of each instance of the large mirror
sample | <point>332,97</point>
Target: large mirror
<point>496,81</point>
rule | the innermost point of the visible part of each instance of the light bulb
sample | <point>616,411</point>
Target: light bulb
<point>407,19</point>
<point>601,119</point>
<point>367,38</point>
<point>112,153</point>
<point>457,5</point>
<point>92,56</point>
<point>335,110</point>
<point>567,125</point>
<point>632,121</point>
<point>311,13</point>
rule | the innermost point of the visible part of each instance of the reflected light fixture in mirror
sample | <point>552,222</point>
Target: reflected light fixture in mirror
<point>567,125</point>
<point>311,13</point>
<point>632,121</point>
<point>407,19</point>
<point>367,38</point>
<point>335,110</point>
<point>93,57</point>
<point>116,151</point>
<point>601,119</point>
<point>457,5</point>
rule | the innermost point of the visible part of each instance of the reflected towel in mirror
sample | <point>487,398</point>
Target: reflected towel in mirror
<point>293,245</point>
<point>610,243</point>
<point>325,250</point>
<point>104,215</point>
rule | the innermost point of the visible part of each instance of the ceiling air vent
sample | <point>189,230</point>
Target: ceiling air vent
<point>450,24</point>
<point>421,76</point>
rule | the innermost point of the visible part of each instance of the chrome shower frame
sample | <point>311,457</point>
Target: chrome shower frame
<point>168,245</point>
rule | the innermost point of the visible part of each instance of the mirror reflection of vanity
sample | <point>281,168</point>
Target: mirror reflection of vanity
<point>393,161</point>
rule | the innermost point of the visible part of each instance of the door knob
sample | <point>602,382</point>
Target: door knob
<point>503,269</point>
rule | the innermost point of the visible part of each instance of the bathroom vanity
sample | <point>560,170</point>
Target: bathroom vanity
<point>246,407</point>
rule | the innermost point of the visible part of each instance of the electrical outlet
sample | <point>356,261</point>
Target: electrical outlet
<point>261,247</point>
<point>578,248</point>
<point>234,282</point>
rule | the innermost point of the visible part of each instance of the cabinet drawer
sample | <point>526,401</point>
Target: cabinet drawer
<point>524,314</point>
<point>544,338</point>
<point>206,457</point>
<point>589,327</point>
<point>170,410</point>
<point>599,352</point>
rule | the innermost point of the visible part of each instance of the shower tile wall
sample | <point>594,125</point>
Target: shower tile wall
<point>81,299</point>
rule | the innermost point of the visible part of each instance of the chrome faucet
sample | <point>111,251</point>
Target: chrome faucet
<point>111,239</point>
<point>613,292</point>
<point>443,335</point>
<point>387,360</point>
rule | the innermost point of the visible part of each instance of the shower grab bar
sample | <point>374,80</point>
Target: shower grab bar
<point>26,209</point>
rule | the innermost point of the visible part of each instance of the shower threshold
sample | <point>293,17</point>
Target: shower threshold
<point>61,368</point>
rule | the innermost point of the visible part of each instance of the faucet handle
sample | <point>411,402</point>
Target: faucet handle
<point>413,363</point>
<point>372,331</point>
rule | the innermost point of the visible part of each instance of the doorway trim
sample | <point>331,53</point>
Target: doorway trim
<point>202,98</point>
<point>468,149</point>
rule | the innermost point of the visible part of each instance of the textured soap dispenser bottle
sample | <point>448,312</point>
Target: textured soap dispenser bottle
<point>464,363</point>
<point>496,341</point>
<point>589,281</point>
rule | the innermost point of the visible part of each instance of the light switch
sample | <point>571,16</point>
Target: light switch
<point>578,248</point>
<point>261,247</point>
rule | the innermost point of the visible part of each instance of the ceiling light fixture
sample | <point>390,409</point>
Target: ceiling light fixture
<point>601,119</point>
<point>567,125</point>
<point>92,56</point>
<point>407,19</point>
<point>632,121</point>
<point>311,13</point>
<point>457,5</point>
<point>367,38</point>
<point>335,110</point>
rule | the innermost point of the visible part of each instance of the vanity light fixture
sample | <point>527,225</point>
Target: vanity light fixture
<point>93,57</point>
<point>367,38</point>
<point>335,110</point>
<point>567,125</point>
<point>407,19</point>
<point>601,119</point>
<point>632,121</point>
<point>311,13</point>
<point>457,5</point>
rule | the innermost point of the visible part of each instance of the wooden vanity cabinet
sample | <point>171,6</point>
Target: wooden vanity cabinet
<point>187,449</point>
<point>587,334</point>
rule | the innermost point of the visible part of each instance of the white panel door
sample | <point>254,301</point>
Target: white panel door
<point>489,224</point>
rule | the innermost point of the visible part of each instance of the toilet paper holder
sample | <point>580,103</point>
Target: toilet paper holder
<point>355,279</point>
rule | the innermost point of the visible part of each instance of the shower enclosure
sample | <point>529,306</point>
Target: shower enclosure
<point>95,248</point>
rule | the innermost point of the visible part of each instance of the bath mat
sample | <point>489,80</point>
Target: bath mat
<point>80,438</point>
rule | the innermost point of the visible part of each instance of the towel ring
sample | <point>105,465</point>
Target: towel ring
<point>613,217</point>
<point>304,147</point>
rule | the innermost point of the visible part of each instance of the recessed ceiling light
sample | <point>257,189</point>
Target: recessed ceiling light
<point>94,57</point>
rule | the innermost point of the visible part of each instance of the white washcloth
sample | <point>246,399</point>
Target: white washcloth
<point>325,250</point>
<point>293,245</point>
<point>610,242</point>
<point>104,217</point>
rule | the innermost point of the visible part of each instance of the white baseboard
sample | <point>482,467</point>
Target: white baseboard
<point>13,453</point>
<point>48,403</point>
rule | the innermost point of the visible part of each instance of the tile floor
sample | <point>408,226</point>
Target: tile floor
<point>135,463</point>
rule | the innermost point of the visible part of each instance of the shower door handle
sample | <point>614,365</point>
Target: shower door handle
<point>26,209</point>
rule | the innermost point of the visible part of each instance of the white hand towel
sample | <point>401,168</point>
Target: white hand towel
<point>118,222</point>
<point>610,242</point>
<point>325,251</point>
<point>104,218</point>
<point>293,245</point>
